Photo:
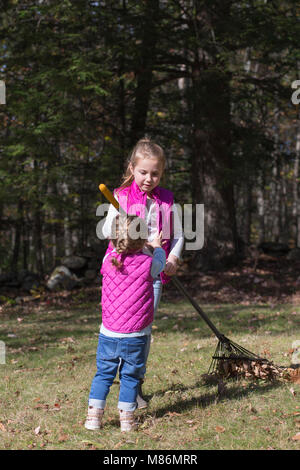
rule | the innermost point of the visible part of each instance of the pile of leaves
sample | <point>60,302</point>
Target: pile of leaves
<point>256,370</point>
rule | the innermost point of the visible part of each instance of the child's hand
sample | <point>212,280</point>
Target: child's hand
<point>171,265</point>
<point>156,242</point>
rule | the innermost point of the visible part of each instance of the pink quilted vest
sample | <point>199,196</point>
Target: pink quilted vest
<point>133,201</point>
<point>127,293</point>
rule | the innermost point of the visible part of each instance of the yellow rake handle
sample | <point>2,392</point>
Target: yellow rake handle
<point>109,196</point>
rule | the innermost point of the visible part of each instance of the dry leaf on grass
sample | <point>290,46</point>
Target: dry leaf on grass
<point>2,427</point>
<point>69,339</point>
<point>220,429</point>
<point>296,437</point>
<point>294,375</point>
<point>247,369</point>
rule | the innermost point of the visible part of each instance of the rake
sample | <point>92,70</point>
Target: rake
<point>230,359</point>
<point>226,349</point>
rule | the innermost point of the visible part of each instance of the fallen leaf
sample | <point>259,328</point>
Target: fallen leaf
<point>252,409</point>
<point>2,427</point>
<point>37,430</point>
<point>69,339</point>
<point>63,438</point>
<point>219,428</point>
<point>296,437</point>
<point>295,376</point>
<point>118,444</point>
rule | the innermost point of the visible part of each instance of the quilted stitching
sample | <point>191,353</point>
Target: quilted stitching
<point>127,294</point>
<point>132,195</point>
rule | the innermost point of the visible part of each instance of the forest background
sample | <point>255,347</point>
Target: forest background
<point>210,81</point>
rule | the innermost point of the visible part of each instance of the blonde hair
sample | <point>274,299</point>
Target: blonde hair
<point>123,242</point>
<point>145,148</point>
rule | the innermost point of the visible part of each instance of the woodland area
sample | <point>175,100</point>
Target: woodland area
<point>209,80</point>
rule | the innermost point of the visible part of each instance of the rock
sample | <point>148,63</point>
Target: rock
<point>87,253</point>
<point>74,262</point>
<point>90,274</point>
<point>9,279</point>
<point>62,278</point>
<point>274,248</point>
<point>94,263</point>
<point>30,281</point>
<point>99,247</point>
<point>294,254</point>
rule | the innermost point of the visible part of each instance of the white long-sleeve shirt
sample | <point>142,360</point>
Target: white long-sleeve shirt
<point>176,243</point>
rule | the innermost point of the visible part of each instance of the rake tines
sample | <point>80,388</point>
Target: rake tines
<point>228,351</point>
<point>231,359</point>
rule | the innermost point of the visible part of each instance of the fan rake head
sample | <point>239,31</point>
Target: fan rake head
<point>231,360</point>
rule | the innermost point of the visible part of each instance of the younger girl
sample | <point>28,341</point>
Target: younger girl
<point>127,314</point>
<point>140,194</point>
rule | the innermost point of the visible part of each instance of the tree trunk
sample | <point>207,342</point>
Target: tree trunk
<point>275,211</point>
<point>17,238</point>
<point>67,230</point>
<point>296,199</point>
<point>261,210</point>
<point>211,166</point>
<point>145,70</point>
<point>247,212</point>
<point>25,239</point>
<point>285,222</point>
<point>37,240</point>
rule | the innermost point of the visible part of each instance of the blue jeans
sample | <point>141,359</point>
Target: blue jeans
<point>157,287</point>
<point>127,354</point>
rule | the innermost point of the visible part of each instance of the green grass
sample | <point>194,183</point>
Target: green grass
<point>50,363</point>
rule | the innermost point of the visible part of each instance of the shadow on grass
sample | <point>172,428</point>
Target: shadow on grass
<point>208,398</point>
<point>51,326</point>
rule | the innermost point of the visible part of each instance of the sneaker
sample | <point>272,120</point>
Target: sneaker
<point>127,421</point>
<point>140,400</point>
<point>94,418</point>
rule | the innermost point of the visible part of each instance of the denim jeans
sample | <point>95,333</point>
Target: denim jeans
<point>125,354</point>
<point>157,287</point>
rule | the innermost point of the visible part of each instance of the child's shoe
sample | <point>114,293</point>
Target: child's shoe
<point>94,418</point>
<point>127,421</point>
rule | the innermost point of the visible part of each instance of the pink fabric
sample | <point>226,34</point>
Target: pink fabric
<point>133,202</point>
<point>127,293</point>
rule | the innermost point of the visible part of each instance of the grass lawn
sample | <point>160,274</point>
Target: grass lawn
<point>50,363</point>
